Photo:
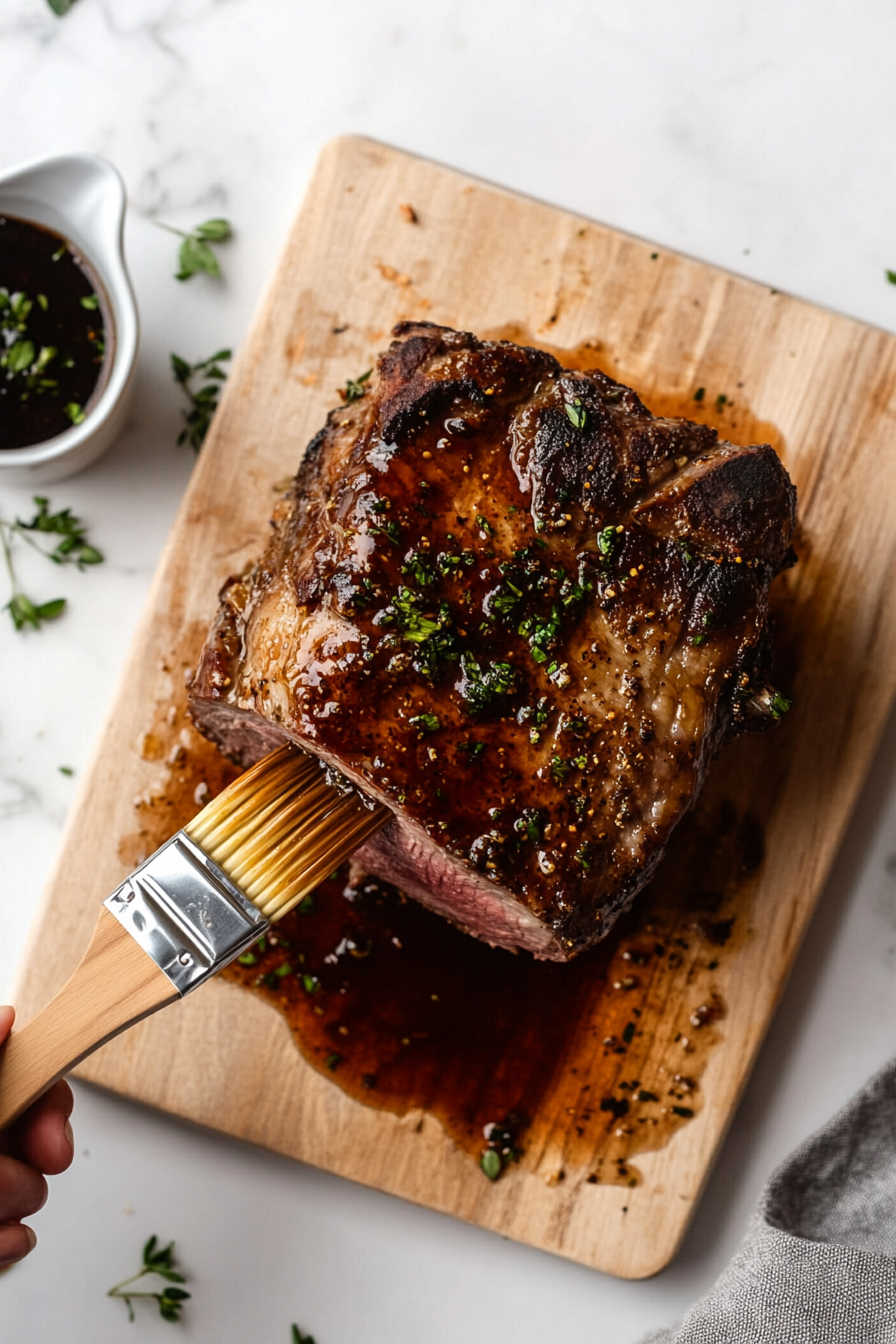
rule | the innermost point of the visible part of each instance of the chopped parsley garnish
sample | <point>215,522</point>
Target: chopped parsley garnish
<point>360,595</point>
<point>448,563</point>
<point>414,625</point>
<point>504,602</point>
<point>333,1061</point>
<point>628,1034</point>
<point>557,673</point>
<point>539,716</point>
<point>482,686</point>
<point>607,539</point>
<point>700,394</point>
<point>574,592</point>
<point>431,635</point>
<point>891,276</point>
<point>584,855</point>
<point>721,400</point>
<point>420,567</point>
<point>484,525</point>
<point>541,633</point>
<point>530,824</point>
<point>697,640</point>
<point>779,705</point>
<point>684,1111</point>
<point>559,769</point>
<point>390,530</point>
<point>426,723</point>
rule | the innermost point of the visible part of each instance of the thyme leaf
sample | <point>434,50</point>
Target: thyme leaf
<point>576,413</point>
<point>195,254</point>
<point>354,388</point>
<point>491,1164</point>
<point>72,549</point>
<point>426,723</point>
<point>203,402</point>
<point>158,1261</point>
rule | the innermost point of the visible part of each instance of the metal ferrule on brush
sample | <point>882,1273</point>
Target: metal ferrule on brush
<point>186,914</point>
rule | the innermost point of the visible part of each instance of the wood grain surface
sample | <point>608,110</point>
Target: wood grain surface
<point>821,387</point>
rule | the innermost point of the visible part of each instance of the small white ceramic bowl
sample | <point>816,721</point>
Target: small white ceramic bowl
<point>82,197</point>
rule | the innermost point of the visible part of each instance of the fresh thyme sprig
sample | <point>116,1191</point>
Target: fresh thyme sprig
<point>195,252</point>
<point>72,549</point>
<point>204,402</point>
<point>60,7</point>
<point>158,1260</point>
<point>354,388</point>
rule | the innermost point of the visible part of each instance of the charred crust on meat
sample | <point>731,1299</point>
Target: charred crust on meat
<point>523,612</point>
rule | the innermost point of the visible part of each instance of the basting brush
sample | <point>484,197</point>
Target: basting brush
<point>202,899</point>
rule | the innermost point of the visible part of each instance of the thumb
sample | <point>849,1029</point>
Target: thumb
<point>7,1017</point>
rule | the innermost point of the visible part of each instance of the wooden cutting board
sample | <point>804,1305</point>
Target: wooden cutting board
<point>821,387</point>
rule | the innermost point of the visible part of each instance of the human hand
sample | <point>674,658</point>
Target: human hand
<point>38,1144</point>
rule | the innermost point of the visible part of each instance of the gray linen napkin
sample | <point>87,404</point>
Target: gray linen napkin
<point>818,1265</point>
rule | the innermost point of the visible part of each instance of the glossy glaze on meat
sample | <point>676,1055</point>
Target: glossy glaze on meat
<point>524,613</point>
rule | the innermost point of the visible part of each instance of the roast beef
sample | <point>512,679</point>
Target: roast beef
<point>511,604</point>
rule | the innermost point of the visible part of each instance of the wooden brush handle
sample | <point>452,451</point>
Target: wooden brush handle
<point>114,985</point>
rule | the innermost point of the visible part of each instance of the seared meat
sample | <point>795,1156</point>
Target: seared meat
<point>511,604</point>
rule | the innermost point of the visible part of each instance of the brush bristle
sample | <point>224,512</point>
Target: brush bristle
<point>280,828</point>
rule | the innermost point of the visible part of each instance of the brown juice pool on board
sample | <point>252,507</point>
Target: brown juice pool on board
<point>571,1069</point>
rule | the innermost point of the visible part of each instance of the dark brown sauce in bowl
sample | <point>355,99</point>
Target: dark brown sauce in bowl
<point>55,330</point>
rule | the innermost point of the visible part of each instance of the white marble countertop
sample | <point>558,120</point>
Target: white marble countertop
<point>755,135</point>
